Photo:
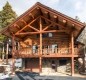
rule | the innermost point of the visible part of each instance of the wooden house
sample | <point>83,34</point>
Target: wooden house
<point>45,39</point>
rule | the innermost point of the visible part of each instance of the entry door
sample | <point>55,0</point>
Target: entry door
<point>32,65</point>
<point>53,66</point>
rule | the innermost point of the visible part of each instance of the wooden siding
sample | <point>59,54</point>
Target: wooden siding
<point>61,39</point>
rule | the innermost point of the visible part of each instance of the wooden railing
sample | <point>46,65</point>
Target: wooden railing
<point>56,51</point>
<point>45,51</point>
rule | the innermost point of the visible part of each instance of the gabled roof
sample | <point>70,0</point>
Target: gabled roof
<point>41,10</point>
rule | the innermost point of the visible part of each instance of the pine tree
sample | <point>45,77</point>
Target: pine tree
<point>7,15</point>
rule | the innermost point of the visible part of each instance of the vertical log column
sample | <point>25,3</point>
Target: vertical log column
<point>7,47</point>
<point>18,45</point>
<point>40,58</point>
<point>72,51</point>
<point>13,59</point>
<point>3,53</point>
<point>18,49</point>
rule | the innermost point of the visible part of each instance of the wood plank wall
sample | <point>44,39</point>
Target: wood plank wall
<point>61,39</point>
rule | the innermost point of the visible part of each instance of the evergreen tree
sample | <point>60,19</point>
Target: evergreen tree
<point>7,15</point>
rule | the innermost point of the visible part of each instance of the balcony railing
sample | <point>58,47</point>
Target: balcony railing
<point>51,51</point>
<point>45,51</point>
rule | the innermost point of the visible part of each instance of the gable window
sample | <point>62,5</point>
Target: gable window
<point>50,35</point>
<point>45,35</point>
<point>37,35</point>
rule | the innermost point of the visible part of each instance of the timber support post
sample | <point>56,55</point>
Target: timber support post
<point>7,47</point>
<point>40,64</point>
<point>72,51</point>
<point>3,52</point>
<point>40,58</point>
<point>13,59</point>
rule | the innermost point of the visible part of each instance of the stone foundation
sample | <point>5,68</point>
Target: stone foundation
<point>60,67</point>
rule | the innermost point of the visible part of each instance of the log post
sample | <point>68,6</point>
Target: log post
<point>72,51</point>
<point>18,45</point>
<point>40,64</point>
<point>40,37</point>
<point>40,60</point>
<point>3,51</point>
<point>7,47</point>
<point>13,59</point>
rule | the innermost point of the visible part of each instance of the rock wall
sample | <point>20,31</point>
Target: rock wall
<point>47,65</point>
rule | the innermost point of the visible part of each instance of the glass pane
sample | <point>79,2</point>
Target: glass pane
<point>50,34</point>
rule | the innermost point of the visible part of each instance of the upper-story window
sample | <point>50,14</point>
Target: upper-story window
<point>50,34</point>
<point>54,48</point>
<point>35,48</point>
<point>45,35</point>
<point>38,35</point>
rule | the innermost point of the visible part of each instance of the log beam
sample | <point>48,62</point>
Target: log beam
<point>53,22</point>
<point>27,25</point>
<point>21,29</point>
<point>16,25</point>
<point>56,24</point>
<point>25,33</point>
<point>61,16</point>
<point>22,20</point>
<point>31,9</point>
<point>47,15</point>
<point>47,27</point>
<point>31,15</point>
<point>54,31</point>
<point>33,28</point>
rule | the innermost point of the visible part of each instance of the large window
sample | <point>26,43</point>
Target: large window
<point>50,35</point>
<point>35,49</point>
<point>54,48</point>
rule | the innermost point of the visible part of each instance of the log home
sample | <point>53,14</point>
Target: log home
<point>45,39</point>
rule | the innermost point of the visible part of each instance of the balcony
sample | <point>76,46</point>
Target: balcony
<point>46,52</point>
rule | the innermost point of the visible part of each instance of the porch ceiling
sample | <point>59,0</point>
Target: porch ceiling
<point>29,22</point>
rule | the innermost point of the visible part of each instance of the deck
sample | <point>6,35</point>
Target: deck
<point>57,52</point>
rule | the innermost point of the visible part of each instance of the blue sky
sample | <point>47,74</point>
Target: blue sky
<point>71,8</point>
